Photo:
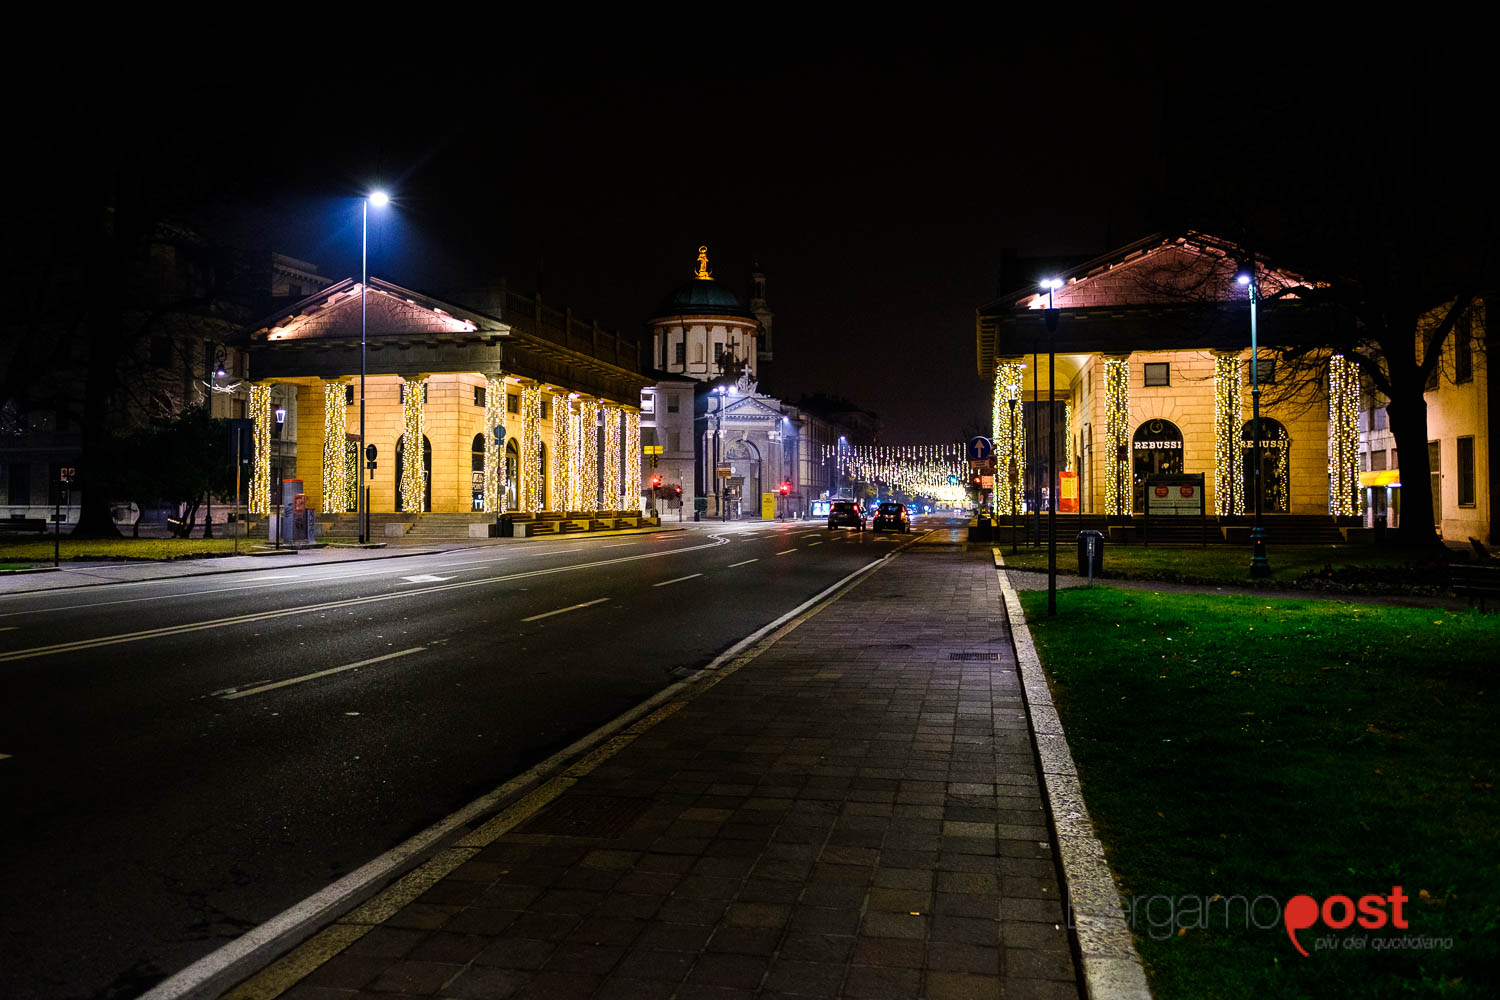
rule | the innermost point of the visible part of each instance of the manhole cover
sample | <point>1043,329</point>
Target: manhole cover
<point>973,656</point>
<point>587,816</point>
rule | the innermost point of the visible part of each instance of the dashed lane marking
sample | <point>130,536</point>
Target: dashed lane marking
<point>785,552</point>
<point>426,578</point>
<point>261,689</point>
<point>811,544</point>
<point>665,583</point>
<point>746,562</point>
<point>559,611</point>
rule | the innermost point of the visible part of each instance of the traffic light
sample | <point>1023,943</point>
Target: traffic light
<point>655,481</point>
<point>786,488</point>
<point>679,490</point>
<point>976,479</point>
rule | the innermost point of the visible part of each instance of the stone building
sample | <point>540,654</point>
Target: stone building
<point>509,406</point>
<point>1152,379</point>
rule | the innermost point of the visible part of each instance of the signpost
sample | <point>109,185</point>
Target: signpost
<point>64,480</point>
<point>370,454</point>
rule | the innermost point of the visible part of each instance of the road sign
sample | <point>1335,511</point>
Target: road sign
<point>499,433</point>
<point>724,471</point>
<point>981,450</point>
<point>651,449</point>
<point>952,480</point>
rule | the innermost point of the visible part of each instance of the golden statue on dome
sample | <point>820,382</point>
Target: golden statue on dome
<point>703,271</point>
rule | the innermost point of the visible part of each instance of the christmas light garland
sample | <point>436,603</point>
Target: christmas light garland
<point>1345,498</point>
<point>630,492</point>
<point>611,456</point>
<point>1009,439</point>
<point>588,455</point>
<point>1229,479</point>
<point>562,452</point>
<point>337,488</point>
<point>260,469</point>
<point>494,454</point>
<point>531,454</point>
<point>917,470</point>
<point>1119,494</point>
<point>414,429</point>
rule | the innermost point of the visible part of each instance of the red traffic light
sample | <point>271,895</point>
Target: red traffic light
<point>679,490</point>
<point>655,481</point>
<point>786,488</point>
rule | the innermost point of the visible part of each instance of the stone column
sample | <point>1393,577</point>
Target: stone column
<point>1119,493</point>
<point>338,488</point>
<point>630,492</point>
<point>611,455</point>
<point>1229,478</point>
<point>414,428</point>
<point>260,468</point>
<point>562,452</point>
<point>494,450</point>
<point>588,455</point>
<point>530,487</point>
<point>1345,498</point>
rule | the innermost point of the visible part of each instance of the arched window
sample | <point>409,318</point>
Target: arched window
<point>1275,466</point>
<point>1156,450</point>
<point>512,474</point>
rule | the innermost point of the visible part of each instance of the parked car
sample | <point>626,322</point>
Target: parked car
<point>892,516</point>
<point>846,512</point>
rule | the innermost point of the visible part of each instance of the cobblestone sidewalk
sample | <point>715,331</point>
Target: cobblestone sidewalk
<point>855,812</point>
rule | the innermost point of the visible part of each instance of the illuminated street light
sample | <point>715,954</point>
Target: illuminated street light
<point>1050,316</point>
<point>1259,567</point>
<point>379,199</point>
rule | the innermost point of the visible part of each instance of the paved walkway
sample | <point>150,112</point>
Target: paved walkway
<point>853,811</point>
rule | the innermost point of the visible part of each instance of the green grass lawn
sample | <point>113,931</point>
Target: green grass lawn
<point>1249,746</point>
<point>27,553</point>
<point>1231,563</point>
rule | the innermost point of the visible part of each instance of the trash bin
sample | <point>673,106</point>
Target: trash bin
<point>982,530</point>
<point>507,526</point>
<point>1090,553</point>
<point>1380,522</point>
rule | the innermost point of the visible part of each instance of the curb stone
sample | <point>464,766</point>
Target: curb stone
<point>1112,969</point>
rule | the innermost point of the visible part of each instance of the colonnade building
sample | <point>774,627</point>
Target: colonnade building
<point>495,406</point>
<point>1152,379</point>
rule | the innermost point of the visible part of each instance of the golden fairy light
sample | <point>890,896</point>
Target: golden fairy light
<point>611,456</point>
<point>260,469</point>
<point>494,454</point>
<point>337,489</point>
<point>1229,480</point>
<point>414,429</point>
<point>531,449</point>
<point>1118,493</point>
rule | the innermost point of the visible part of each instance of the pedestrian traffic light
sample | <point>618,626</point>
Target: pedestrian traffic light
<point>679,490</point>
<point>655,481</point>
<point>786,488</point>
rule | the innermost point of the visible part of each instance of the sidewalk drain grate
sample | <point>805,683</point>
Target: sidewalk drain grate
<point>973,656</point>
<point>587,816</point>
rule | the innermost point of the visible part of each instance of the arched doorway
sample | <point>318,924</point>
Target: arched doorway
<point>1275,466</point>
<point>512,471</point>
<point>1156,450</point>
<point>426,471</point>
<point>743,459</point>
<point>476,472</point>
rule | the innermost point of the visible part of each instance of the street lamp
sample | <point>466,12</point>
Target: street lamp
<point>1258,564</point>
<point>379,199</point>
<point>1050,316</point>
<point>719,392</point>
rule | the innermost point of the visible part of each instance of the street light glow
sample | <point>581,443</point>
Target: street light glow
<point>1243,279</point>
<point>379,199</point>
<point>1051,283</point>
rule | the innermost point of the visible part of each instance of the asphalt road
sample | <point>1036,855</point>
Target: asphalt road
<point>176,776</point>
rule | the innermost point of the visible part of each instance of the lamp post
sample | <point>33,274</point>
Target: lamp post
<point>1051,284</point>
<point>1259,567</point>
<point>1013,390</point>
<point>718,392</point>
<point>362,497</point>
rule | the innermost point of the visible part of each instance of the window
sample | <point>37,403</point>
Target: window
<point>512,402</point>
<point>1463,348</point>
<point>349,394</point>
<point>1265,371</point>
<point>681,352</point>
<point>1157,373</point>
<point>1435,474</point>
<point>546,409</point>
<point>648,402</point>
<point>697,354</point>
<point>718,352</point>
<point>403,393</point>
<point>1377,419</point>
<point>479,395</point>
<point>1377,460</point>
<point>1466,472</point>
<point>674,402</point>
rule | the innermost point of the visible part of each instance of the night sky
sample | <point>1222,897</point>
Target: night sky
<point>879,184</point>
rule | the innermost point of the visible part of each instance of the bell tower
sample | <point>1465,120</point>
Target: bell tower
<point>762,313</point>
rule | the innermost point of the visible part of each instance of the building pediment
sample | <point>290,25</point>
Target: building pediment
<point>389,311</point>
<point>752,408</point>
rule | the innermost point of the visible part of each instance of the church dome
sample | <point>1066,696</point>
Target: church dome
<point>702,295</point>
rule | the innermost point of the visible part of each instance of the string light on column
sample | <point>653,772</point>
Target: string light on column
<point>1118,493</point>
<point>588,455</point>
<point>531,455</point>
<point>1344,494</point>
<point>336,485</point>
<point>611,456</point>
<point>630,494</point>
<point>260,469</point>
<point>494,455</point>
<point>562,452</point>
<point>1229,482</point>
<point>414,429</point>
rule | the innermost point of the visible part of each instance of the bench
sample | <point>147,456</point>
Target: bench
<point>18,523</point>
<point>1475,582</point>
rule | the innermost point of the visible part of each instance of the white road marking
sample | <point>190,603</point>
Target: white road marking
<point>839,538</point>
<point>616,545</point>
<point>747,562</point>
<point>4,756</point>
<point>394,595</point>
<point>426,578</point>
<point>811,544</point>
<point>247,692</point>
<point>8,628</point>
<point>559,611</point>
<point>807,533</point>
<point>785,551</point>
<point>678,580</point>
